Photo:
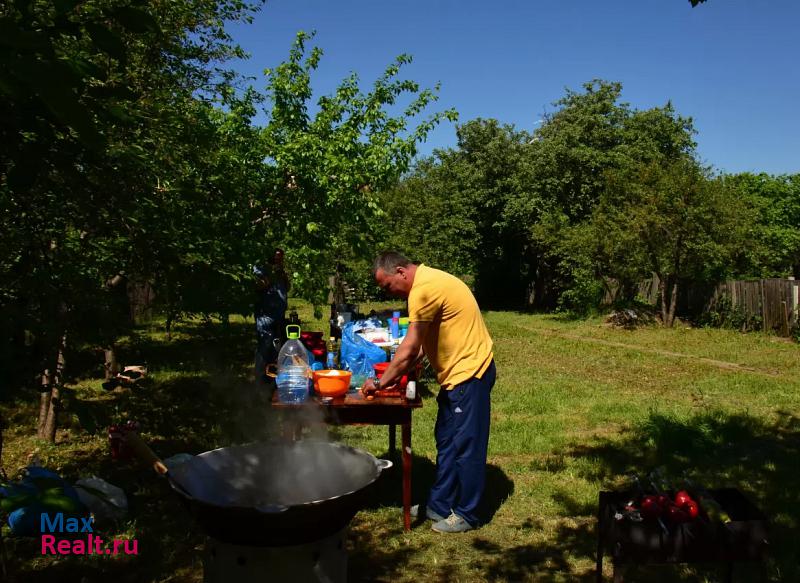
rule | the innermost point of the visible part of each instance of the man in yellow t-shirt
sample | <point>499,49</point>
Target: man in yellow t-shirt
<point>446,326</point>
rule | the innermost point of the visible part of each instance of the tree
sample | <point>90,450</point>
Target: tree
<point>425,217</point>
<point>511,209</point>
<point>450,211</point>
<point>129,151</point>
<point>591,134</point>
<point>670,218</point>
<point>323,173</point>
<point>91,93</point>
<point>776,230</point>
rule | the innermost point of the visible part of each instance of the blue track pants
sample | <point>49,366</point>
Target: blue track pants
<point>462,440</point>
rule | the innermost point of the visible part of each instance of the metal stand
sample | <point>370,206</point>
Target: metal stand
<point>742,539</point>
<point>322,561</point>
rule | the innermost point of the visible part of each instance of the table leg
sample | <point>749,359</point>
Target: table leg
<point>406,456</point>
<point>392,441</point>
<point>600,530</point>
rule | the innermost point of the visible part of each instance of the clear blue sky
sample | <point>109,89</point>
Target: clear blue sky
<point>731,65</point>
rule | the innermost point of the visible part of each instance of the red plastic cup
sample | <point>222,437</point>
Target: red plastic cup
<point>381,367</point>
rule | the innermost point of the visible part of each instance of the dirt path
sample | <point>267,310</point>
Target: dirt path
<point>668,353</point>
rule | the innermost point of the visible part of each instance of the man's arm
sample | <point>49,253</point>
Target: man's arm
<point>409,351</point>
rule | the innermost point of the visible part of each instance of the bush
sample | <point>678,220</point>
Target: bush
<point>584,295</point>
<point>724,314</point>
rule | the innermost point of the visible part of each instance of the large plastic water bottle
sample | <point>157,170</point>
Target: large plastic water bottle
<point>293,368</point>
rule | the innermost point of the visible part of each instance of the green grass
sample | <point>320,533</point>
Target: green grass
<point>576,407</point>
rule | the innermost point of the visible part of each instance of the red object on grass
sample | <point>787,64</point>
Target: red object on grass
<point>119,451</point>
<point>650,507</point>
<point>692,509</point>
<point>682,498</point>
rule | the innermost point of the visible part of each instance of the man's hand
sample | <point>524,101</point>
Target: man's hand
<point>409,351</point>
<point>369,387</point>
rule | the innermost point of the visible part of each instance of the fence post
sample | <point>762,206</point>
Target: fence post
<point>785,323</point>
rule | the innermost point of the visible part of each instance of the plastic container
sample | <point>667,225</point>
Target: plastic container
<point>411,390</point>
<point>332,359</point>
<point>332,383</point>
<point>381,367</point>
<point>293,368</point>
<point>394,326</point>
<point>404,322</point>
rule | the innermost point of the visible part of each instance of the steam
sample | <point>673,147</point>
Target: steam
<point>277,474</point>
<point>273,470</point>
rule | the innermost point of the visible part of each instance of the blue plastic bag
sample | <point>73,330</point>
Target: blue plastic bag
<point>358,355</point>
<point>46,491</point>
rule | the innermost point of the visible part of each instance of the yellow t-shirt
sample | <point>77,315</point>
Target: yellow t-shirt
<point>457,342</point>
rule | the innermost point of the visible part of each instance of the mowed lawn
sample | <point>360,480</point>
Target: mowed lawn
<point>577,407</point>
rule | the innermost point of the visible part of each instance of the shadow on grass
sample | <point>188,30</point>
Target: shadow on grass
<point>197,346</point>
<point>198,397</point>
<point>388,491</point>
<point>370,559</point>
<point>549,561</point>
<point>715,449</point>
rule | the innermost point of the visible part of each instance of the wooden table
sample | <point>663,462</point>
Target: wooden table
<point>354,409</point>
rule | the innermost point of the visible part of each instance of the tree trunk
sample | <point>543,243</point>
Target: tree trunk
<point>673,303</point>
<point>662,291</point>
<point>110,364</point>
<point>44,402</point>
<point>2,427</point>
<point>4,477</point>
<point>51,424</point>
<point>669,301</point>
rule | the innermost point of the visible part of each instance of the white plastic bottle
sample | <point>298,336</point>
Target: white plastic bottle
<point>411,390</point>
<point>293,368</point>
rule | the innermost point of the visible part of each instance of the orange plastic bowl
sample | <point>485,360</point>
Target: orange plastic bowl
<point>332,383</point>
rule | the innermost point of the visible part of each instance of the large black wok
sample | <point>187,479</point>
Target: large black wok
<point>276,493</point>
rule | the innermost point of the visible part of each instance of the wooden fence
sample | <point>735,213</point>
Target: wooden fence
<point>770,305</point>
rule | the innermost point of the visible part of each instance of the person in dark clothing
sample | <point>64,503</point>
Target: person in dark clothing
<point>272,287</point>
